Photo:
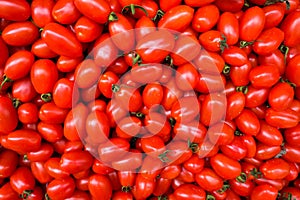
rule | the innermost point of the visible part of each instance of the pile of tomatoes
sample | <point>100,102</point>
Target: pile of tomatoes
<point>149,99</point>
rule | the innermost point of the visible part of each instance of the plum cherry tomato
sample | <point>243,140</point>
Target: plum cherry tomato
<point>41,12</point>
<point>281,96</point>
<point>100,185</point>
<point>291,35</point>
<point>205,18</point>
<point>15,10</point>
<point>8,115</point>
<point>292,70</point>
<point>65,12</point>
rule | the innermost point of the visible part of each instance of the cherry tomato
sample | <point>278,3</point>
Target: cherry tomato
<point>209,180</point>
<point>100,185</point>
<point>143,187</point>
<point>52,114</point>
<point>40,49</point>
<point>8,163</point>
<point>264,76</point>
<point>87,30</point>
<point>39,172</point>
<point>274,14</point>
<point>41,12</point>
<point>22,180</point>
<point>225,166</point>
<point>61,188</point>
<point>20,33</point>
<point>235,56</point>
<point>252,23</point>
<point>50,132</point>
<point>248,123</point>
<point>44,153</point>
<point>189,191</point>
<point>76,161</point>
<point>8,116</point>
<point>275,168</point>
<point>291,135</point>
<point>177,18</point>
<point>205,18</point>
<point>264,191</point>
<point>229,5</point>
<point>65,12</point>
<point>61,40</point>
<point>7,192</point>
<point>282,119</point>
<point>15,10</point>
<point>228,24</point>
<point>292,70</point>
<point>291,37</point>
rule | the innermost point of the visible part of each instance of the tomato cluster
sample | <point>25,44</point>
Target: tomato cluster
<point>149,99</point>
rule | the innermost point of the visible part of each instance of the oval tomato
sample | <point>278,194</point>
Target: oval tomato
<point>15,10</point>
<point>225,167</point>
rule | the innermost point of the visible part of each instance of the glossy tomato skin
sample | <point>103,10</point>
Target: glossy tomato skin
<point>291,135</point>
<point>281,96</point>
<point>8,163</point>
<point>189,191</point>
<point>274,14</point>
<point>248,123</point>
<point>61,188</point>
<point>291,35</point>
<point>269,135</point>
<point>76,161</point>
<point>39,172</point>
<point>229,6</point>
<point>264,191</point>
<point>101,9</point>
<point>7,192</point>
<point>264,45</point>
<point>8,115</point>
<point>99,121</point>
<point>228,24</point>
<point>209,180</point>
<point>204,22</point>
<point>225,166</point>
<point>252,23</point>
<point>171,19</point>
<point>61,40</point>
<point>22,179</point>
<point>100,185</point>
<point>40,49</point>
<point>275,168</point>
<point>20,33</point>
<point>44,75</point>
<point>65,12</point>
<point>264,76</point>
<point>15,10</point>
<point>292,70</point>
<point>41,12</point>
<point>282,119</point>
<point>64,94</point>
<point>87,30</point>
<point>235,56</point>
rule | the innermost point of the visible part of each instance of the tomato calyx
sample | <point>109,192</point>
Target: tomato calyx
<point>243,89</point>
<point>5,80</point>
<point>164,157</point>
<point>47,197</point>
<point>285,196</point>
<point>158,15</point>
<point>223,43</point>
<point>126,188</point>
<point>224,188</point>
<point>244,44</point>
<point>132,7</point>
<point>46,97</point>
<point>282,152</point>
<point>162,197</point>
<point>138,114</point>
<point>172,121</point>
<point>226,70</point>
<point>16,102</point>
<point>210,197</point>
<point>242,178</point>
<point>288,82</point>
<point>26,194</point>
<point>270,2</point>
<point>285,50</point>
<point>113,17</point>
<point>194,147</point>
<point>255,173</point>
<point>168,61</point>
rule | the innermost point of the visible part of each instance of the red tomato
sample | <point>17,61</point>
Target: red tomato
<point>228,24</point>
<point>40,49</point>
<point>264,76</point>
<point>209,180</point>
<point>189,191</point>
<point>40,173</point>
<point>76,161</point>
<point>220,133</point>
<point>143,26</point>
<point>50,113</point>
<point>264,45</point>
<point>248,123</point>
<point>100,8</point>
<point>264,191</point>
<point>274,14</point>
<point>44,75</point>
<point>252,23</point>
<point>281,96</point>
<point>15,10</point>
<point>235,56</point>
<point>275,168</point>
<point>239,75</point>
<point>235,105</point>
<point>162,41</point>
<point>265,152</point>
<point>177,18</point>
<point>59,189</point>
<point>143,187</point>
<point>129,98</point>
<point>100,185</point>
<point>8,116</point>
<point>97,127</point>
<point>8,163</point>
<point>186,109</point>
<point>50,132</point>
<point>65,12</point>
<point>276,58</point>
<point>292,135</point>
<point>282,119</point>
<point>205,18</point>
<point>241,188</point>
<point>7,192</point>
<point>269,135</point>
<point>187,77</point>
<point>195,3</point>
<point>229,5</point>
<point>41,12</point>
<point>292,70</point>
<point>20,33</point>
<point>61,40</point>
<point>166,5</point>
<point>225,166</point>
<point>22,141</point>
<point>44,153</point>
<point>236,149</point>
<point>22,180</point>
<point>212,40</point>
<point>291,35</point>
<point>87,30</point>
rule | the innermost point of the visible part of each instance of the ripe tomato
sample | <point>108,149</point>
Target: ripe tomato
<point>22,180</point>
<point>189,191</point>
<point>100,8</point>
<point>264,191</point>
<point>185,109</point>
<point>292,70</point>
<point>282,119</point>
<point>61,40</point>
<point>8,163</point>
<point>187,77</point>
<point>228,24</point>
<point>143,187</point>
<point>44,153</point>
<point>205,18</point>
<point>269,135</point>
<point>97,127</point>
<point>236,149</point>
<point>162,40</point>
<point>59,189</point>
<point>276,58</point>
<point>264,76</point>
<point>129,98</point>
<point>50,113</point>
<point>65,12</point>
<point>225,166</point>
<point>147,73</point>
<point>20,33</point>
<point>87,30</point>
<point>100,185</point>
<point>211,40</point>
<point>274,14</point>
<point>252,23</point>
<point>40,49</point>
<point>275,168</point>
<point>291,35</point>
<point>50,132</point>
<point>39,172</point>
<point>229,5</point>
<point>15,10</point>
<point>7,192</point>
<point>248,123</point>
<point>177,18</point>
<point>235,56</point>
<point>76,161</point>
<point>41,12</point>
<point>291,135</point>
<point>8,116</point>
<point>209,180</point>
<point>281,96</point>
